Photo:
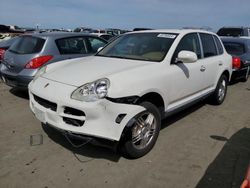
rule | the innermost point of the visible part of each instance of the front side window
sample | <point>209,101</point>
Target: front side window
<point>27,45</point>
<point>140,46</point>
<point>209,48</point>
<point>234,48</point>
<point>189,42</point>
<point>73,45</point>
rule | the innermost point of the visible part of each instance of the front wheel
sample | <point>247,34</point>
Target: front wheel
<point>143,133</point>
<point>220,92</point>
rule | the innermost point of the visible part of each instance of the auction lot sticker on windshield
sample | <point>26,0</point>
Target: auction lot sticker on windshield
<point>168,36</point>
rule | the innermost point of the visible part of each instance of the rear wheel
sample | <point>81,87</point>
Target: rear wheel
<point>247,75</point>
<point>220,92</point>
<point>143,133</point>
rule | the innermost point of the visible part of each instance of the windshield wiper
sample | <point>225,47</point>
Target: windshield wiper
<point>117,56</point>
<point>126,57</point>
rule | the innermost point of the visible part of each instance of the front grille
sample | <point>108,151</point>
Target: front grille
<point>73,111</point>
<point>74,122</point>
<point>45,103</point>
<point>77,117</point>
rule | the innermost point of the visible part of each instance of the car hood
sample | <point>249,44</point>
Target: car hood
<point>84,70</point>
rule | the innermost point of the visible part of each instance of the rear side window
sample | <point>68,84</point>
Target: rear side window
<point>234,48</point>
<point>209,48</point>
<point>234,32</point>
<point>73,45</point>
<point>27,45</point>
<point>189,42</point>
<point>219,45</point>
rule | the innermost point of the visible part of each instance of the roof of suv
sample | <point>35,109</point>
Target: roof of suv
<point>178,31</point>
<point>235,39</point>
<point>235,27</point>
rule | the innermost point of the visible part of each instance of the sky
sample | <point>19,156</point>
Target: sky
<point>125,14</point>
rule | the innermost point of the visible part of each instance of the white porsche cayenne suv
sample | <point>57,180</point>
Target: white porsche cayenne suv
<point>122,93</point>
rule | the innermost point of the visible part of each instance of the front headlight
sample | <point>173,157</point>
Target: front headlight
<point>92,91</point>
<point>40,72</point>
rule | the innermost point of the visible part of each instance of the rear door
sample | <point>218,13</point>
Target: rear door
<point>21,52</point>
<point>212,60</point>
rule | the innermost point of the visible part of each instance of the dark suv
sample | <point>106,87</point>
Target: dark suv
<point>239,48</point>
<point>234,31</point>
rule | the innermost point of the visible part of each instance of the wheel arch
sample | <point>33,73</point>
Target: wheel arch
<point>227,74</point>
<point>154,98</point>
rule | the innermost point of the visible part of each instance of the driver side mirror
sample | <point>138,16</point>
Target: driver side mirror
<point>186,57</point>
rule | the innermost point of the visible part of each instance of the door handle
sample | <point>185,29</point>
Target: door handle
<point>203,68</point>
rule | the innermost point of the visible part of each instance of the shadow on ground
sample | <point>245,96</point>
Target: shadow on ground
<point>177,116</point>
<point>229,168</point>
<point>88,150</point>
<point>20,93</point>
<point>93,151</point>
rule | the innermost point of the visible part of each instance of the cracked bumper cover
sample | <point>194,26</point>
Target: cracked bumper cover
<point>100,115</point>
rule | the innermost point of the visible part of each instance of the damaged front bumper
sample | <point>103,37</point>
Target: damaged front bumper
<point>51,103</point>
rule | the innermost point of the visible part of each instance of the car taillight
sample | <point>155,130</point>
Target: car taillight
<point>2,51</point>
<point>38,62</point>
<point>236,63</point>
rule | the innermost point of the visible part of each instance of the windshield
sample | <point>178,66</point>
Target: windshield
<point>140,46</point>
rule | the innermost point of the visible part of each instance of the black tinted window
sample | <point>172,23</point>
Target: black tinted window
<point>189,42</point>
<point>219,45</point>
<point>235,32</point>
<point>73,45</point>
<point>27,45</point>
<point>209,48</point>
<point>234,48</point>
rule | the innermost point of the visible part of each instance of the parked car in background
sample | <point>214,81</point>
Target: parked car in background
<point>4,45</point>
<point>30,52</point>
<point>141,29</point>
<point>8,32</point>
<point>239,48</point>
<point>122,93</point>
<point>105,36</point>
<point>115,32</point>
<point>83,30</point>
<point>234,31</point>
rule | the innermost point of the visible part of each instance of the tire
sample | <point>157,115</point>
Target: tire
<point>220,92</point>
<point>141,136</point>
<point>247,75</point>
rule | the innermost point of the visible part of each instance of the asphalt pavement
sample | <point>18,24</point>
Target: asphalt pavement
<point>204,146</point>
